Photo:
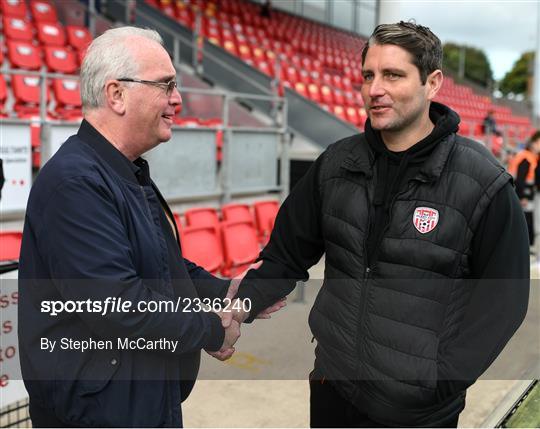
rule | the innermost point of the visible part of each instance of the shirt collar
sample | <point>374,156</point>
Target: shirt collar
<point>136,171</point>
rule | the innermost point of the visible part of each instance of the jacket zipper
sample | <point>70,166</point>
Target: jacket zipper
<point>369,269</point>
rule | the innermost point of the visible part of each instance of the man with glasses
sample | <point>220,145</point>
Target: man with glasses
<point>98,234</point>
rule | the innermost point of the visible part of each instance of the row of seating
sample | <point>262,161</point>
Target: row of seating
<point>226,244</point>
<point>229,244</point>
<point>39,10</point>
<point>45,33</point>
<point>26,92</point>
<point>27,56</point>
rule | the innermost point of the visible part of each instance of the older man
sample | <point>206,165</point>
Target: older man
<point>100,251</point>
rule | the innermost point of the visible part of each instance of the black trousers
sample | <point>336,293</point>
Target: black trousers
<point>328,409</point>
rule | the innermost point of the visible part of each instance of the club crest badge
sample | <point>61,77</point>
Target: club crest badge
<point>425,219</point>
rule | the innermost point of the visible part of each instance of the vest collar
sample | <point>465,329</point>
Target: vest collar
<point>361,158</point>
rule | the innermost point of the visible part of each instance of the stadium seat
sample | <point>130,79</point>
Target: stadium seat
<point>11,245</point>
<point>326,95</point>
<point>68,98</point>
<point>300,88</point>
<point>17,29</point>
<point>187,121</point>
<point>241,246</point>
<point>23,55</point>
<point>51,33</point>
<point>265,215</point>
<point>43,11</point>
<point>339,111</point>
<point>202,245</point>
<point>60,60</point>
<point>14,8</point>
<point>3,95</point>
<point>236,213</point>
<point>78,37</point>
<point>352,115</point>
<point>313,92</point>
<point>26,90</point>
<point>205,216</point>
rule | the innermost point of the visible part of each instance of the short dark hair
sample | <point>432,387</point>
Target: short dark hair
<point>424,47</point>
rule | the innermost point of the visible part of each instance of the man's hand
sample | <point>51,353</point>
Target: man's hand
<point>239,315</point>
<point>232,333</point>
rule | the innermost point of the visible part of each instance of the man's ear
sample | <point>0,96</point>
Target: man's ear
<point>115,96</point>
<point>433,83</point>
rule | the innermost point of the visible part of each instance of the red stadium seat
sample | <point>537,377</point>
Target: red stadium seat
<point>187,121</point>
<point>313,92</point>
<point>27,91</point>
<point>23,55</point>
<point>51,33</point>
<point>236,213</point>
<point>3,95</point>
<point>300,87</point>
<point>204,216</point>
<point>11,245</point>
<point>60,60</point>
<point>17,29</point>
<point>265,215</point>
<point>352,115</point>
<point>15,8</point>
<point>240,245</point>
<point>78,37</point>
<point>339,111</point>
<point>326,95</point>
<point>339,98</point>
<point>43,11</point>
<point>230,47</point>
<point>68,98</point>
<point>202,245</point>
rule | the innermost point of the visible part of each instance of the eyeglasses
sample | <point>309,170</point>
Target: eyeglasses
<point>167,86</point>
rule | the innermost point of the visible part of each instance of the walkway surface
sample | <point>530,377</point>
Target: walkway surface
<point>265,383</point>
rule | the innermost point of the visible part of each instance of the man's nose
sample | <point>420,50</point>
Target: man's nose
<point>376,88</point>
<point>176,100</point>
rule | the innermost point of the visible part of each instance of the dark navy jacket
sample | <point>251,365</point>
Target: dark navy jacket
<point>94,229</point>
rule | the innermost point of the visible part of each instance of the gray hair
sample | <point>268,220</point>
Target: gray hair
<point>108,57</point>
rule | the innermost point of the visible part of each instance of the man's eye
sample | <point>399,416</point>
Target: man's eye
<point>392,76</point>
<point>368,77</point>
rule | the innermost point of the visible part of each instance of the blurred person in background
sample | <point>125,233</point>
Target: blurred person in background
<point>523,167</point>
<point>97,229</point>
<point>489,125</point>
<point>426,251</point>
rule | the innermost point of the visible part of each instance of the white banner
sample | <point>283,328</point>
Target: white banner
<point>11,386</point>
<point>16,154</point>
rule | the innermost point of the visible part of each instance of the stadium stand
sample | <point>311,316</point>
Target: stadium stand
<point>223,254</point>
<point>319,62</point>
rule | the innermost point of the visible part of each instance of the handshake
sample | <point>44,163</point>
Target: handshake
<point>231,321</point>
